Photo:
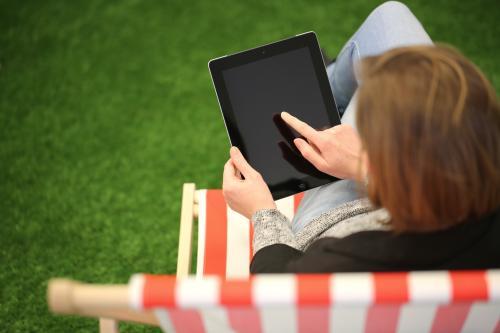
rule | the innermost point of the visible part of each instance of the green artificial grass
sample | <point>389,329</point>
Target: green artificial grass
<point>107,107</point>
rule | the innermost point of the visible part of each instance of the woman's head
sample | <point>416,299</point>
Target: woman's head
<point>430,124</point>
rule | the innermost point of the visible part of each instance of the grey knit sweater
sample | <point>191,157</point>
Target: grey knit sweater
<point>272,227</point>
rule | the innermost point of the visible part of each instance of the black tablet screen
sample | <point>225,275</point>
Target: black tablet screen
<point>258,92</point>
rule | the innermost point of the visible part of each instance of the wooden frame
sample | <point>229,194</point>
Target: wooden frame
<point>189,210</point>
<point>109,303</point>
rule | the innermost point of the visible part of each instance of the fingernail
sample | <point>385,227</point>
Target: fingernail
<point>284,113</point>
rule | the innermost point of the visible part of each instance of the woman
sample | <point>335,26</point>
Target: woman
<point>426,150</point>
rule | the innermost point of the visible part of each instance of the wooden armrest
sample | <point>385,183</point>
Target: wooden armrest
<point>106,301</point>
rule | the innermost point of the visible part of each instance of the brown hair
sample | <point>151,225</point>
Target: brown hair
<point>429,121</point>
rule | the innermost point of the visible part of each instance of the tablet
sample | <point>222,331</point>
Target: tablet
<point>254,86</point>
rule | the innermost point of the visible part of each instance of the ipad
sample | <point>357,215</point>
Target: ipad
<point>254,86</point>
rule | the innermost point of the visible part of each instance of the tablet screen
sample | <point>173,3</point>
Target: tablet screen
<point>258,92</point>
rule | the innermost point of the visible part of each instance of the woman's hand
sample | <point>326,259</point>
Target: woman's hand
<point>335,151</point>
<point>245,196</point>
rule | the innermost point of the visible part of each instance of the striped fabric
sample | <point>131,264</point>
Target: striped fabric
<point>224,236</point>
<point>440,301</point>
<point>223,298</point>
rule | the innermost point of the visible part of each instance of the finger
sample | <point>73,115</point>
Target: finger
<point>229,174</point>
<point>241,163</point>
<point>313,146</point>
<point>303,128</point>
<point>237,172</point>
<point>311,154</point>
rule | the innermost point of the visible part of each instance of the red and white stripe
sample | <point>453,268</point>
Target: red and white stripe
<point>456,301</point>
<point>395,302</point>
<point>225,237</point>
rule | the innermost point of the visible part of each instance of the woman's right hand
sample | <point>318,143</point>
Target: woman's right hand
<point>335,151</point>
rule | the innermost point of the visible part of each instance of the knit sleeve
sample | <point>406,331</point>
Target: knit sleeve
<point>271,227</point>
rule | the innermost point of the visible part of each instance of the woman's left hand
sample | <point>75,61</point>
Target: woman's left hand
<point>245,196</point>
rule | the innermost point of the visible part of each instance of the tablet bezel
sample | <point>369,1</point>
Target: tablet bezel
<point>218,65</point>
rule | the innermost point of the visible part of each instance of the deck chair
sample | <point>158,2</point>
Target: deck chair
<point>220,296</point>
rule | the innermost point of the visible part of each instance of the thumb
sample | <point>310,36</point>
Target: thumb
<point>240,162</point>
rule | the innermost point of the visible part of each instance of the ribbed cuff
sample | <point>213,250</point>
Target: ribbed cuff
<point>271,227</point>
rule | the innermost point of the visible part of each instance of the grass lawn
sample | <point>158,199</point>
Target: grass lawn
<point>107,107</point>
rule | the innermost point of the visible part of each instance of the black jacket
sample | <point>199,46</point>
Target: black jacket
<point>470,245</point>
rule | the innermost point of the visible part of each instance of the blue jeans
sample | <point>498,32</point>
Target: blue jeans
<point>388,26</point>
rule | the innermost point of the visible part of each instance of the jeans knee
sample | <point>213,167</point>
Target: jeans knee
<point>392,10</point>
